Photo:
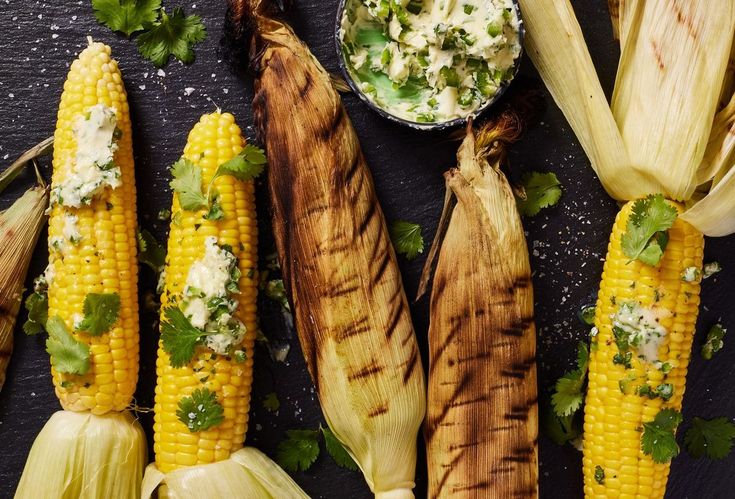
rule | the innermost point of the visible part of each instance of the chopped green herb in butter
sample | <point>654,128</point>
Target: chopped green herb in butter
<point>430,60</point>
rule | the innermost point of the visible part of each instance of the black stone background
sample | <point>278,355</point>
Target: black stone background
<point>38,41</point>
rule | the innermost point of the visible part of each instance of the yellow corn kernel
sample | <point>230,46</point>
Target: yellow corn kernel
<point>616,445</point>
<point>104,260</point>
<point>214,140</point>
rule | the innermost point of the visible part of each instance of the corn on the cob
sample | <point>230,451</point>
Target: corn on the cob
<point>338,264</point>
<point>210,258</point>
<point>92,246</point>
<point>617,402</point>
<point>213,141</point>
<point>672,75</point>
<point>482,419</point>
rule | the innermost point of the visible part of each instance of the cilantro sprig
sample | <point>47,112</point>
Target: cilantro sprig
<point>179,337</point>
<point>151,252</point>
<point>407,239</point>
<point>542,190</point>
<point>711,438</point>
<point>659,436</point>
<point>187,180</point>
<point>569,393</point>
<point>160,35</point>
<point>126,16</point>
<point>68,355</point>
<point>300,449</point>
<point>173,35</point>
<point>101,311</point>
<point>271,402</point>
<point>646,235</point>
<point>37,306</point>
<point>200,411</point>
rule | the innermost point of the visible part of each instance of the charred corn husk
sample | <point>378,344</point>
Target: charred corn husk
<point>618,401</point>
<point>482,417</point>
<point>338,264</point>
<point>20,226</point>
<point>92,256</point>
<point>211,281</point>
<point>667,137</point>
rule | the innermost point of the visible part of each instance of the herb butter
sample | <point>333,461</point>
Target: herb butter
<point>641,329</point>
<point>430,61</point>
<point>207,300</point>
<point>93,167</point>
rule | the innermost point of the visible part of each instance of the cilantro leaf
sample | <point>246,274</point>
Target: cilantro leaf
<point>215,208</point>
<point>645,238</point>
<point>150,251</point>
<point>100,313</point>
<point>714,342</point>
<point>201,411</point>
<point>126,16</point>
<point>711,438</point>
<point>179,337</point>
<point>68,355</point>
<point>337,450</point>
<point>247,165</point>
<point>187,182</point>
<point>559,429</point>
<point>659,439</point>
<point>568,396</point>
<point>173,35</point>
<point>271,402</point>
<point>299,450</point>
<point>37,306</point>
<point>407,238</point>
<point>543,190</point>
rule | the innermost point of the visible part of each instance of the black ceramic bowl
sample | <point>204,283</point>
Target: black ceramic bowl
<point>414,124</point>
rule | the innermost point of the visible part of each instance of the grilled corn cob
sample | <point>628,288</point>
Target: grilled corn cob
<point>482,419</point>
<point>202,402</point>
<point>338,264</point>
<point>92,246</point>
<point>618,400</point>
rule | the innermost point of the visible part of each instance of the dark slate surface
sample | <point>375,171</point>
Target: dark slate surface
<point>38,42</point>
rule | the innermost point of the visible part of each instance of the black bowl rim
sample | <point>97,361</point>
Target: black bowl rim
<point>444,125</point>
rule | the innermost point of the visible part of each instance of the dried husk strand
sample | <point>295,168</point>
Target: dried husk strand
<point>338,264</point>
<point>247,473</point>
<point>482,417</point>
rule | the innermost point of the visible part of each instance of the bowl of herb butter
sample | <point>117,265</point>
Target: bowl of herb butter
<point>429,64</point>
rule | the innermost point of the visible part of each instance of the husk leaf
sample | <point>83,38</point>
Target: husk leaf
<point>83,456</point>
<point>556,46</point>
<point>339,268</point>
<point>482,412</point>
<point>20,226</point>
<point>668,88</point>
<point>247,474</point>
